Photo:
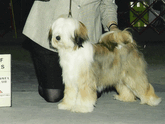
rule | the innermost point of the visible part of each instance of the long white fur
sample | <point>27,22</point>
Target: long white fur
<point>83,57</point>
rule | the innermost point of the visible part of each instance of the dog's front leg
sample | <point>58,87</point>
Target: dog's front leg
<point>70,94</point>
<point>86,99</point>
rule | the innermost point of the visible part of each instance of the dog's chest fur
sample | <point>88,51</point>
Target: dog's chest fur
<point>74,61</point>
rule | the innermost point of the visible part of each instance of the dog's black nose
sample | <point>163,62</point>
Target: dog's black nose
<point>58,38</point>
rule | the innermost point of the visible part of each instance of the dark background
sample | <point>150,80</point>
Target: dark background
<point>21,11</point>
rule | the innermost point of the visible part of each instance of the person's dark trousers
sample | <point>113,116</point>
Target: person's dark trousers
<point>48,72</point>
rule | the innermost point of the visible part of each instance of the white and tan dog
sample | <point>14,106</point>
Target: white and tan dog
<point>88,68</point>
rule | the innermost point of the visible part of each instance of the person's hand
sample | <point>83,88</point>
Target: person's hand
<point>113,27</point>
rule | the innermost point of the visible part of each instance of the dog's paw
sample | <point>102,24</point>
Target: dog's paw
<point>82,109</point>
<point>64,106</point>
<point>124,99</point>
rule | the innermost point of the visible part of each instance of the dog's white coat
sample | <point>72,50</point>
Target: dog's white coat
<point>73,62</point>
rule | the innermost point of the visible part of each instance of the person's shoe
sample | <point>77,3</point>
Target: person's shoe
<point>51,95</point>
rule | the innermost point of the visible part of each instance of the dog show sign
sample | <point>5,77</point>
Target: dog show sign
<point>5,80</point>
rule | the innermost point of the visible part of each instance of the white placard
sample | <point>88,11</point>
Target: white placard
<point>5,80</point>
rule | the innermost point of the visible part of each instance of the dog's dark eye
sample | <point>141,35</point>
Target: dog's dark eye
<point>58,38</point>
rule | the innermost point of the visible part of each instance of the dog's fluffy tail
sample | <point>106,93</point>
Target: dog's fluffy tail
<point>118,37</point>
<point>124,36</point>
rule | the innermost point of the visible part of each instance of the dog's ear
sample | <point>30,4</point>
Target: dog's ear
<point>50,39</point>
<point>81,35</point>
